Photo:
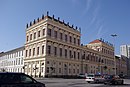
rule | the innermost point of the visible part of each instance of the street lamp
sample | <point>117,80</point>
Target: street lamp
<point>35,68</point>
<point>114,35</point>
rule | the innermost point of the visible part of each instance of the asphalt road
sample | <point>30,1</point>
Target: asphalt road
<point>59,82</point>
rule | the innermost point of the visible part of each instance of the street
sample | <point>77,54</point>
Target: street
<point>59,82</point>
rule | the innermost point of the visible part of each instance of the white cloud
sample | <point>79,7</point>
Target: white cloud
<point>87,6</point>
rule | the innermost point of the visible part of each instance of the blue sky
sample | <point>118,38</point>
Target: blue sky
<point>97,19</point>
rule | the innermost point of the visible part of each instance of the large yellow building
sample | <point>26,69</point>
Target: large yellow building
<point>53,48</point>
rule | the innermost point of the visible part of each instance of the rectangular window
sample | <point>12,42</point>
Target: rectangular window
<point>49,49</point>
<point>74,40</point>
<point>27,38</point>
<point>61,36</point>
<point>29,52</point>
<point>47,69</point>
<point>33,51</point>
<point>60,51</point>
<point>42,49</point>
<point>30,36</point>
<point>74,54</point>
<point>42,69</point>
<point>70,53</point>
<point>38,33</point>
<point>35,35</point>
<point>37,50</point>
<point>49,32</point>
<point>66,38</point>
<point>26,53</point>
<point>65,52</point>
<point>59,70</point>
<point>55,49</point>
<point>43,32</point>
<point>70,39</point>
<point>55,34</point>
<point>22,53</point>
<point>78,55</point>
<point>78,42</point>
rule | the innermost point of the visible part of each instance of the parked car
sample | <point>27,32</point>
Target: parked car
<point>113,79</point>
<point>8,79</point>
<point>82,75</point>
<point>94,78</point>
<point>98,78</point>
<point>90,78</point>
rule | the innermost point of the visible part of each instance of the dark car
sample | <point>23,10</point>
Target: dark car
<point>113,79</point>
<point>18,80</point>
<point>82,76</point>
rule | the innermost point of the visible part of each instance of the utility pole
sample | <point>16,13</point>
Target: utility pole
<point>114,36</point>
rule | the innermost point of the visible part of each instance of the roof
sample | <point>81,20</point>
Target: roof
<point>95,41</point>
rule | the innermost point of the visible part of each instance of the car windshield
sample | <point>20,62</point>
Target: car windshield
<point>90,75</point>
<point>109,77</point>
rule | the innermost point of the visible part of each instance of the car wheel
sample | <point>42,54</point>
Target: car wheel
<point>115,83</point>
<point>105,83</point>
<point>122,82</point>
<point>88,81</point>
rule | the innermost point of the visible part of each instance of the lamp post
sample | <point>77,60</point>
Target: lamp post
<point>35,68</point>
<point>114,36</point>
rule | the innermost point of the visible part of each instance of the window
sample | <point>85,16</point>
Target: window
<point>60,51</point>
<point>74,54</point>
<point>26,79</point>
<point>70,39</point>
<point>43,49</point>
<point>55,51</point>
<point>78,42</point>
<point>34,35</point>
<point>49,49</point>
<point>55,34</point>
<point>65,52</point>
<point>49,32</point>
<point>74,40</point>
<point>37,50</point>
<point>22,53</point>
<point>29,52</point>
<point>33,51</point>
<point>43,32</point>
<point>70,53</point>
<point>59,70</point>
<point>30,36</point>
<point>38,33</point>
<point>61,36</point>
<point>78,55</point>
<point>48,62</point>
<point>65,37</point>
<point>47,69</point>
<point>42,69</point>
<point>21,61</point>
<point>26,53</point>
<point>73,70</point>
<point>27,38</point>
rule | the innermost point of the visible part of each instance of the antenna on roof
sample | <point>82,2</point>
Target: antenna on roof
<point>53,16</point>
<point>42,16</point>
<point>47,13</point>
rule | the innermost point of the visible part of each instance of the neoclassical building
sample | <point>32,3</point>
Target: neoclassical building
<point>53,48</point>
<point>106,55</point>
<point>12,61</point>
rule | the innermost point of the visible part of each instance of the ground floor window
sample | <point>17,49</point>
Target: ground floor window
<point>47,69</point>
